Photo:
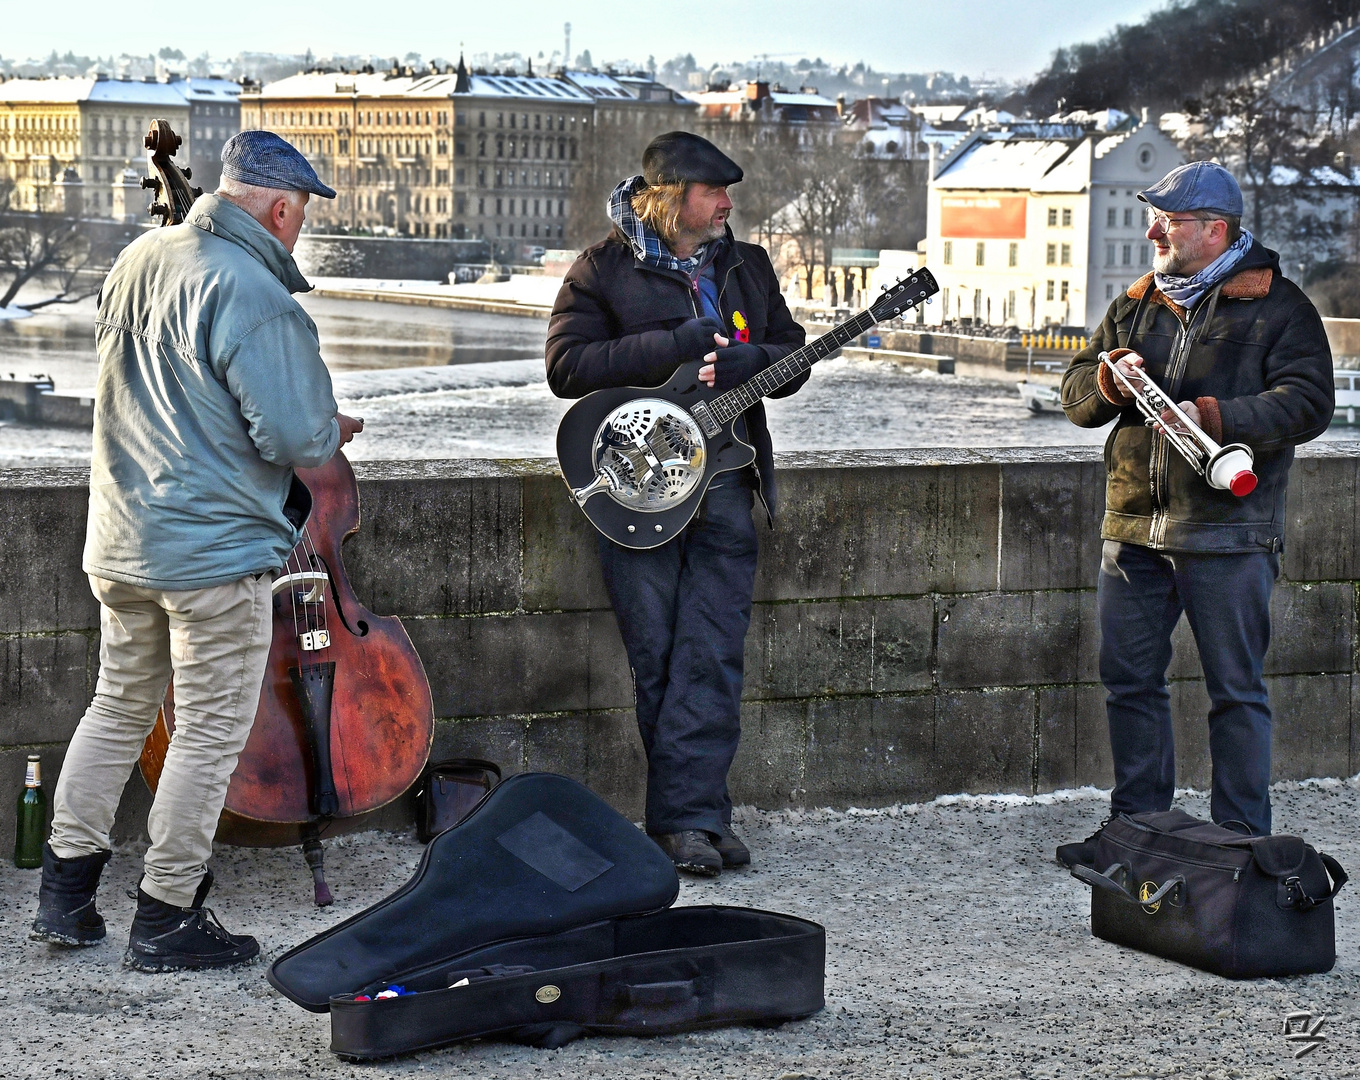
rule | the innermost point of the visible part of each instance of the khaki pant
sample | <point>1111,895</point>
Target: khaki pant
<point>216,643</point>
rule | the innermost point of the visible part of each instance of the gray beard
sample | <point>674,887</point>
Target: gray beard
<point>699,237</point>
<point>1174,261</point>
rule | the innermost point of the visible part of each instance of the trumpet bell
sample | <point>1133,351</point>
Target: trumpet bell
<point>1230,470</point>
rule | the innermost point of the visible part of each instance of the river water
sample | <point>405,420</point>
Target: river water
<point>435,383</point>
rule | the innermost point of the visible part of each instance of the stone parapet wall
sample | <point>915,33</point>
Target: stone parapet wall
<point>924,624</point>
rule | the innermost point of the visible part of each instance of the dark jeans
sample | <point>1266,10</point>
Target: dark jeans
<point>1226,599</point>
<point>683,610</point>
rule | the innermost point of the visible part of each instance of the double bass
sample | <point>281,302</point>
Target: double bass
<point>345,720</point>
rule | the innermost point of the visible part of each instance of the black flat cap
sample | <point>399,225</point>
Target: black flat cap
<point>679,156</point>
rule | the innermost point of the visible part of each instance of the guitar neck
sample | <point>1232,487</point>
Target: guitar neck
<point>734,402</point>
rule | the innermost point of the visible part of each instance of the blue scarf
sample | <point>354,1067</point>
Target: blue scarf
<point>647,245</point>
<point>1188,291</point>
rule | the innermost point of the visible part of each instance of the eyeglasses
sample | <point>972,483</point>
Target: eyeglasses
<point>1163,222</point>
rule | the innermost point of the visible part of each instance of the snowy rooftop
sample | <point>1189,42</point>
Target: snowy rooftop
<point>599,85</point>
<point>109,91</point>
<point>363,84</point>
<point>939,114</point>
<point>71,91</point>
<point>779,97</point>
<point>997,160</point>
<point>196,89</point>
<point>525,86</point>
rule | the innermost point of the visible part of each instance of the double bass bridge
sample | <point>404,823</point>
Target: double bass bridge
<point>307,587</point>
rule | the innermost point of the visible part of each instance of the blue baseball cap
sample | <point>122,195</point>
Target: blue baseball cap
<point>1197,185</point>
<point>266,160</point>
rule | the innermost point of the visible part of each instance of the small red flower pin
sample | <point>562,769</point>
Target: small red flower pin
<point>742,330</point>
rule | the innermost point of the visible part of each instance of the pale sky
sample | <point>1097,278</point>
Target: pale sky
<point>1007,38</point>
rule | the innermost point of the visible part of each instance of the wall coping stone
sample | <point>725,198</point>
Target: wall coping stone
<point>504,468</point>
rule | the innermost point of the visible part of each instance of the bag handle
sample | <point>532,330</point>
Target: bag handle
<point>1296,896</point>
<point>1106,881</point>
<point>1088,876</point>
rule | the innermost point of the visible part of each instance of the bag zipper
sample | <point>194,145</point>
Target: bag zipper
<point>1237,870</point>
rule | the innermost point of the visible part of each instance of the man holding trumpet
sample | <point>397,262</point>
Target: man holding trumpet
<point>1218,329</point>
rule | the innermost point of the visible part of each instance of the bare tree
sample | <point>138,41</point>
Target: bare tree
<point>43,245</point>
<point>1272,147</point>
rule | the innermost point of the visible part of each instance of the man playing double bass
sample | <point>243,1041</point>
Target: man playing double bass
<point>669,284</point>
<point>211,391</point>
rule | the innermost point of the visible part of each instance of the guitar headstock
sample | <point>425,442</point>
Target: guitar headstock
<point>914,289</point>
<point>174,196</point>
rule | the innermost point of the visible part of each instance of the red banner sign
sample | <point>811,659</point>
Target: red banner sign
<point>983,217</point>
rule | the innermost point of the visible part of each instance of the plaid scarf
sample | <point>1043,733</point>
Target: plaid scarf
<point>647,245</point>
<point>1188,291</point>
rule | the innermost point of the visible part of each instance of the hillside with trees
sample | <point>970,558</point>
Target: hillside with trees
<point>1182,51</point>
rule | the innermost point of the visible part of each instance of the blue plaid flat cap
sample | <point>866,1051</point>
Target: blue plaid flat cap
<point>1197,185</point>
<point>266,160</point>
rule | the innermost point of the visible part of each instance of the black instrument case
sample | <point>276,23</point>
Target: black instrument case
<point>543,916</point>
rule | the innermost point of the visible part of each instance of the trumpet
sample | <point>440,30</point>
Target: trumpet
<point>1227,468</point>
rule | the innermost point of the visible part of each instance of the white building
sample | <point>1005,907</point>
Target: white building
<point>1032,231</point>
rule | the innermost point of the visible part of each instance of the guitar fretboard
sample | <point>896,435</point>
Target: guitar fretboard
<point>737,400</point>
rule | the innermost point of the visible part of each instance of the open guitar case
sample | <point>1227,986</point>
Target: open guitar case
<point>543,916</point>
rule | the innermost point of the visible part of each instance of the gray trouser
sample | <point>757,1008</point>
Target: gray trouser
<point>215,642</point>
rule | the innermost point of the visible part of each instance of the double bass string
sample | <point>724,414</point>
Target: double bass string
<point>315,609</point>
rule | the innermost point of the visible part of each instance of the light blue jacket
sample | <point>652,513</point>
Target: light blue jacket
<point>211,391</point>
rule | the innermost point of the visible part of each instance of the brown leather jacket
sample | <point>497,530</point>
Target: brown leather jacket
<point>1254,357</point>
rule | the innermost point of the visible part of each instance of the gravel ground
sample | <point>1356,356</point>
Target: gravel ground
<point>955,948</point>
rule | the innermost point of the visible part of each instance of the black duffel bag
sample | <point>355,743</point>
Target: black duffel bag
<point>1240,906</point>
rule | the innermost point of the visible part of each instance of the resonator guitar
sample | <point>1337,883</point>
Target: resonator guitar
<point>639,459</point>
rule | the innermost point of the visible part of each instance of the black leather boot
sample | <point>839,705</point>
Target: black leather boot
<point>691,850</point>
<point>730,847</point>
<point>169,938</point>
<point>66,911</point>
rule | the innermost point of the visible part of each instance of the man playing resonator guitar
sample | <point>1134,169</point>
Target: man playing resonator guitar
<point>671,284</point>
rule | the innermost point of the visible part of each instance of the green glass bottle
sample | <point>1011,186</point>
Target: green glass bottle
<point>30,826</point>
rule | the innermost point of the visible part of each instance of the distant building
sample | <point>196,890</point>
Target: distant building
<point>214,117</point>
<point>453,154</point>
<point>630,111</point>
<point>1030,231</point>
<point>94,126</point>
<point>762,102</point>
<point>887,128</point>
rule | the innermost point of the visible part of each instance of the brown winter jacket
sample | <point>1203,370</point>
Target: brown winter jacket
<point>1254,357</point>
